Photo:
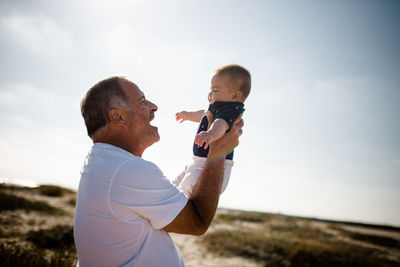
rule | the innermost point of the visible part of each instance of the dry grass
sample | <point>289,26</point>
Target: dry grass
<point>12,254</point>
<point>383,241</point>
<point>53,190</point>
<point>57,237</point>
<point>234,216</point>
<point>280,251</point>
<point>30,237</point>
<point>12,202</point>
<point>276,240</point>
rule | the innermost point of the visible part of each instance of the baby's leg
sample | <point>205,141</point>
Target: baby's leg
<point>227,174</point>
<point>177,180</point>
<point>194,171</point>
<point>192,175</point>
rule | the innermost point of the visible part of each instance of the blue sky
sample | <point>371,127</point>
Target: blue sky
<point>322,131</point>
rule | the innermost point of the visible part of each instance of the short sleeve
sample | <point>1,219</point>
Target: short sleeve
<point>228,111</point>
<point>140,190</point>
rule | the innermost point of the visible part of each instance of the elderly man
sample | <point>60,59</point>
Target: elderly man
<point>125,205</point>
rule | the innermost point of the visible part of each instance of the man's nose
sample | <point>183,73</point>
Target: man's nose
<point>153,107</point>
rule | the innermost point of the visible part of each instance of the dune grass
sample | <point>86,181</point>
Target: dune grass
<point>44,247</point>
<point>58,237</point>
<point>369,238</point>
<point>281,250</point>
<point>269,239</point>
<point>295,230</point>
<point>5,186</point>
<point>13,202</point>
<point>52,190</point>
<point>233,216</point>
<point>12,254</point>
<point>278,240</point>
<point>377,240</point>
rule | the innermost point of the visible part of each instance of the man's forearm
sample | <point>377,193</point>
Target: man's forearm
<point>206,193</point>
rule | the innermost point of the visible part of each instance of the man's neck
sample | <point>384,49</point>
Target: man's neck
<point>118,141</point>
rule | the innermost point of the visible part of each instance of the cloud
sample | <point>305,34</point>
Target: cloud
<point>21,94</point>
<point>324,85</point>
<point>48,155</point>
<point>24,105</point>
<point>16,120</point>
<point>121,43</point>
<point>396,162</point>
<point>37,34</point>
<point>7,97</point>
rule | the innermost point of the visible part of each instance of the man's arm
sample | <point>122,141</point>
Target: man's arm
<point>196,216</point>
<point>194,116</point>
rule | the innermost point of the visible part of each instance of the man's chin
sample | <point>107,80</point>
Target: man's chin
<point>155,133</point>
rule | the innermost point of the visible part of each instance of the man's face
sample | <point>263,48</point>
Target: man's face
<point>139,116</point>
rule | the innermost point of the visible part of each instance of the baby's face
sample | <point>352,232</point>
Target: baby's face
<point>222,89</point>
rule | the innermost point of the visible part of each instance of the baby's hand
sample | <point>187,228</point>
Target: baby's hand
<point>181,116</point>
<point>203,138</point>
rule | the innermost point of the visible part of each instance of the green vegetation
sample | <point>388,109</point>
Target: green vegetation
<point>9,221</point>
<point>377,240</point>
<point>294,230</point>
<point>13,254</point>
<point>289,251</point>
<point>13,202</point>
<point>52,190</point>
<point>250,245</point>
<point>45,247</point>
<point>72,201</point>
<point>45,190</point>
<point>372,239</point>
<point>269,239</point>
<point>278,240</point>
<point>4,186</point>
<point>233,216</point>
<point>58,237</point>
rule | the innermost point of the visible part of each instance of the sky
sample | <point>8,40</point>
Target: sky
<point>322,126</point>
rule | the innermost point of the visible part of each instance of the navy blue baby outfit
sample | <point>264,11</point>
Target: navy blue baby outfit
<point>229,112</point>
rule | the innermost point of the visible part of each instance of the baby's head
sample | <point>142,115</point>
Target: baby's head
<point>230,83</point>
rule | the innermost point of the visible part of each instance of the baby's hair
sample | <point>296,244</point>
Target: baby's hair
<point>239,75</point>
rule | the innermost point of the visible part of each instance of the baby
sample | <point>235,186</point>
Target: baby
<point>230,87</point>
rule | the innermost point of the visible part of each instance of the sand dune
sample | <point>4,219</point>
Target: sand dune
<point>36,230</point>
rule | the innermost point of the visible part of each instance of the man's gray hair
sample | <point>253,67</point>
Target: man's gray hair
<point>99,100</point>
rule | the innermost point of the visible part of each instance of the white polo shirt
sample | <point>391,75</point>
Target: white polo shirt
<point>122,205</point>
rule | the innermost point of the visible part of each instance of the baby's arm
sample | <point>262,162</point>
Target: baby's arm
<point>216,131</point>
<point>191,116</point>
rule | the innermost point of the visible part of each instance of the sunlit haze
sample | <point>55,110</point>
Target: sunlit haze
<point>322,126</point>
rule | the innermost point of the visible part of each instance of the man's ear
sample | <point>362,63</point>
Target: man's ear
<point>115,115</point>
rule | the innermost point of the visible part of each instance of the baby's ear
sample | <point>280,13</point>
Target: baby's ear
<point>237,96</point>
